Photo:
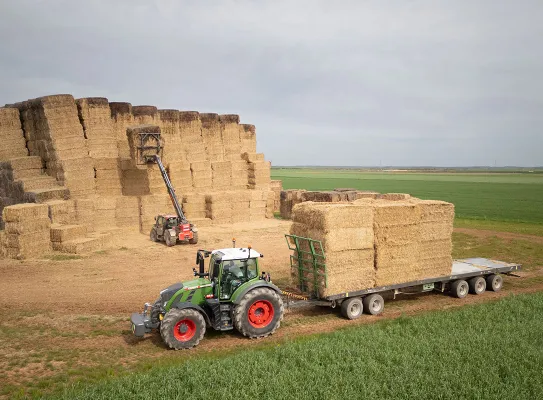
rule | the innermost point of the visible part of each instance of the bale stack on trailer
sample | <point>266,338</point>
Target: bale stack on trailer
<point>26,231</point>
<point>230,134</point>
<point>11,135</point>
<point>346,233</point>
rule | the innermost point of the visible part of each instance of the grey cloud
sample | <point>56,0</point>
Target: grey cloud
<point>329,83</point>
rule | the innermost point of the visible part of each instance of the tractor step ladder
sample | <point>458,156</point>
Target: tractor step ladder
<point>308,263</point>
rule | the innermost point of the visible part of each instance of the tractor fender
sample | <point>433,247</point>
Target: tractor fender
<point>240,295</point>
<point>182,305</point>
<point>194,229</point>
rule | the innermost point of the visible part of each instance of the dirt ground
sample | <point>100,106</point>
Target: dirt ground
<point>61,318</point>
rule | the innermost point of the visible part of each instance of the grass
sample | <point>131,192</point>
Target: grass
<point>494,197</point>
<point>488,351</point>
<point>501,226</point>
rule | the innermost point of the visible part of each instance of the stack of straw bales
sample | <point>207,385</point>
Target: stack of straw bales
<point>11,135</point>
<point>145,115</point>
<point>366,194</point>
<point>54,132</point>
<point>247,135</point>
<point>27,231</point>
<point>127,212</point>
<point>180,176</point>
<point>211,136</point>
<point>289,198</point>
<point>168,121</point>
<point>62,235</point>
<point>270,204</point>
<point>240,174</point>
<point>258,202</point>
<point>277,187</point>
<point>394,196</point>
<point>122,118</point>
<point>85,212</point>
<point>220,207</point>
<point>201,175</point>
<point>105,212</point>
<point>134,134</point>
<point>62,211</point>
<point>108,176</point>
<point>194,206</point>
<point>95,116</point>
<point>241,205</point>
<point>221,175</point>
<point>190,129</point>
<point>259,175</point>
<point>346,233</point>
<point>230,133</point>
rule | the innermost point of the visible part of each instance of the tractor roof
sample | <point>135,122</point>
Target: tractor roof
<point>168,216</point>
<point>236,253</point>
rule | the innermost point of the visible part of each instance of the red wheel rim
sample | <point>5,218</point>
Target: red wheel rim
<point>184,330</point>
<point>260,314</point>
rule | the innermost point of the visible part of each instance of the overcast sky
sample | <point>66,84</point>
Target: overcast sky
<point>444,83</point>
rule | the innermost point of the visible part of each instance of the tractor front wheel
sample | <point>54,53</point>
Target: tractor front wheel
<point>194,239</point>
<point>259,313</point>
<point>169,239</point>
<point>182,328</point>
<point>153,236</point>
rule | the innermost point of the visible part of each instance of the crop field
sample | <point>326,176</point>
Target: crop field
<point>67,334</point>
<point>478,196</point>
<point>486,351</point>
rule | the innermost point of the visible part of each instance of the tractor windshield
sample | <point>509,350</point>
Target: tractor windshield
<point>234,274</point>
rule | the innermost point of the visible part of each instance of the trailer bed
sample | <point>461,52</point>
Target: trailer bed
<point>461,269</point>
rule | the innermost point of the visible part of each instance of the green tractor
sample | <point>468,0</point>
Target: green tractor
<point>233,293</point>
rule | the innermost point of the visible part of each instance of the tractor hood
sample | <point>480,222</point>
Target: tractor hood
<point>166,294</point>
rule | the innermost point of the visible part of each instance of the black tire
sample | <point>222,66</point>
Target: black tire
<point>169,240</point>
<point>374,304</point>
<point>352,308</point>
<point>477,285</point>
<point>175,320</point>
<point>194,239</point>
<point>459,289</point>
<point>153,236</point>
<point>494,282</point>
<point>252,315</point>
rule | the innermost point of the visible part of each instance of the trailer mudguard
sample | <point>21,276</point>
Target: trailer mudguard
<point>236,298</point>
<point>181,305</point>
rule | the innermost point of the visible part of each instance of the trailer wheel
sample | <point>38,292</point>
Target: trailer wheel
<point>259,313</point>
<point>153,235</point>
<point>352,308</point>
<point>194,239</point>
<point>182,328</point>
<point>374,304</point>
<point>477,285</point>
<point>170,240</point>
<point>459,288</point>
<point>494,282</point>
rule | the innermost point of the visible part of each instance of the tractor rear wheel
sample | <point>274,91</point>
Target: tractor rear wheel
<point>169,239</point>
<point>182,328</point>
<point>153,236</point>
<point>259,313</point>
<point>194,239</point>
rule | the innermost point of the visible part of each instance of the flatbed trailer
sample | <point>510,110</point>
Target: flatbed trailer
<point>470,275</point>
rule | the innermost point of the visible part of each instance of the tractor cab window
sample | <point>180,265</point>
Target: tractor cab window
<point>171,223</point>
<point>160,221</point>
<point>234,274</point>
<point>214,266</point>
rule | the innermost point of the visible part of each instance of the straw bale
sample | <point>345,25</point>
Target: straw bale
<point>390,213</point>
<point>61,211</point>
<point>201,222</point>
<point>141,111</point>
<point>222,221</point>
<point>63,233</point>
<point>201,183</point>
<point>23,163</point>
<point>238,216</point>
<point>119,108</point>
<point>222,166</point>
<point>241,206</point>
<point>219,197</point>
<point>105,203</point>
<point>194,198</point>
<point>28,226</point>
<point>340,239</point>
<point>430,231</point>
<point>25,211</point>
<point>21,241</point>
<point>366,195</point>
<point>200,166</point>
<point>430,249</point>
<point>327,196</point>
<point>394,196</point>
<point>435,210</point>
<point>193,207</point>
<point>126,206</point>
<point>258,203</point>
<point>256,158</point>
<point>325,216</point>
<point>196,215</point>
<point>396,234</point>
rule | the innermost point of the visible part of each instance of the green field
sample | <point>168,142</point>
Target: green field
<point>481,196</point>
<point>487,351</point>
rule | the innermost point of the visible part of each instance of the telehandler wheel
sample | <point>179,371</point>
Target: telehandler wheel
<point>153,236</point>
<point>494,282</point>
<point>194,239</point>
<point>182,328</point>
<point>374,304</point>
<point>169,240</point>
<point>259,313</point>
<point>477,285</point>
<point>459,288</point>
<point>352,308</point>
